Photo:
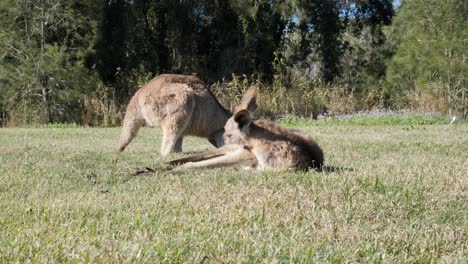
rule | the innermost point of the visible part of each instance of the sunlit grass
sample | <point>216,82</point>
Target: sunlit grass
<point>397,194</point>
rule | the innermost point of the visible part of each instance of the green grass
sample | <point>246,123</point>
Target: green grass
<point>398,195</point>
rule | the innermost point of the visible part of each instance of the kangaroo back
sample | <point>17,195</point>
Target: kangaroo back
<point>181,105</point>
<point>285,146</point>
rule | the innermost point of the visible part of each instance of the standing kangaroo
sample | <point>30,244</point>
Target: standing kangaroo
<point>257,144</point>
<point>181,105</point>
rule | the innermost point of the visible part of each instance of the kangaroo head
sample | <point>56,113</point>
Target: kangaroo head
<point>239,124</point>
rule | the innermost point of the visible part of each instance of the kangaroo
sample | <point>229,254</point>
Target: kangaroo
<point>258,144</point>
<point>181,105</point>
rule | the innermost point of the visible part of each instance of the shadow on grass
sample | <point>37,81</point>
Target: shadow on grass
<point>149,171</point>
<point>167,169</point>
<point>331,169</point>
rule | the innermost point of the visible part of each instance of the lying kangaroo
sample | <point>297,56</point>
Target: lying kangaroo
<point>181,105</point>
<point>257,144</point>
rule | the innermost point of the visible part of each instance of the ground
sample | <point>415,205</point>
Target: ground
<point>393,193</point>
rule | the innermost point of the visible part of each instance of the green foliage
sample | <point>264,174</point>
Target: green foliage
<point>430,51</point>
<point>43,70</point>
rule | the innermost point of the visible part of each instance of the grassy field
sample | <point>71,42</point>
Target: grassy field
<point>399,195</point>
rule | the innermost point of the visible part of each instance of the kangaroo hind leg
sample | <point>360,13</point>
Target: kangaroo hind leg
<point>209,154</point>
<point>241,157</point>
<point>173,134</point>
<point>178,116</point>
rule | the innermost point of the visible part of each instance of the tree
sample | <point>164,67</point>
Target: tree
<point>365,49</point>
<point>219,41</point>
<point>155,24</point>
<point>337,40</point>
<point>430,38</point>
<point>262,27</point>
<point>320,25</point>
<point>44,45</point>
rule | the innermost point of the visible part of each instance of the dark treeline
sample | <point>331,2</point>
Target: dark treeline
<point>81,60</point>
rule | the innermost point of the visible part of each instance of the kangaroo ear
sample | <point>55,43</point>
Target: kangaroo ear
<point>249,101</point>
<point>242,118</point>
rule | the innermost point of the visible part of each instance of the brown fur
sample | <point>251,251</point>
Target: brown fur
<point>272,146</point>
<point>181,105</point>
<point>280,148</point>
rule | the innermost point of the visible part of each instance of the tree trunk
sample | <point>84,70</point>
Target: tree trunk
<point>44,79</point>
<point>45,99</point>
